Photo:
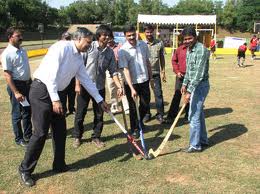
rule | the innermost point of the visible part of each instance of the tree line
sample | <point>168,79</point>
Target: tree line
<point>231,15</point>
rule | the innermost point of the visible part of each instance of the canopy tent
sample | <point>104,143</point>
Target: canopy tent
<point>177,20</point>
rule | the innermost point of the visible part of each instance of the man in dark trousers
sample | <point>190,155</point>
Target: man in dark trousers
<point>179,67</point>
<point>157,61</point>
<point>133,58</point>
<point>98,60</point>
<point>62,62</point>
<point>18,78</point>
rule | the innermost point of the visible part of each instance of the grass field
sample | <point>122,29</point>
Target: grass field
<point>229,165</point>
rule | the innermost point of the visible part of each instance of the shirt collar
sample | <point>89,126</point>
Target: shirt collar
<point>129,46</point>
<point>151,43</point>
<point>75,50</point>
<point>194,46</point>
<point>12,48</point>
<point>98,47</point>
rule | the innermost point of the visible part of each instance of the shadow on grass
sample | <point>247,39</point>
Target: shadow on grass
<point>210,112</point>
<point>226,132</point>
<point>105,155</point>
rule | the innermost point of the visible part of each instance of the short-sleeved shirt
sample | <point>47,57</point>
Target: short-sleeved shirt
<point>97,61</point>
<point>156,49</point>
<point>135,58</point>
<point>197,63</point>
<point>16,61</point>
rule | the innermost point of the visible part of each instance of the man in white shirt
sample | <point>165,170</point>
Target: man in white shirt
<point>62,62</point>
<point>18,78</point>
<point>133,58</point>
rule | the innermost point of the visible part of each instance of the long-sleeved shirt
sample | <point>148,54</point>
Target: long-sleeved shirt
<point>97,61</point>
<point>197,61</point>
<point>63,62</point>
<point>179,60</point>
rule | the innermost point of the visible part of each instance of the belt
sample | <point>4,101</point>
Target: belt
<point>27,82</point>
<point>35,79</point>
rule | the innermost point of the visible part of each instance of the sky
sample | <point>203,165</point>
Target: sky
<point>58,3</point>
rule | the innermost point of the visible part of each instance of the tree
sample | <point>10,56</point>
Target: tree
<point>229,15</point>
<point>249,12</point>
<point>190,7</point>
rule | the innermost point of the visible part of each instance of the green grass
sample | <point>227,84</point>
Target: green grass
<point>229,165</point>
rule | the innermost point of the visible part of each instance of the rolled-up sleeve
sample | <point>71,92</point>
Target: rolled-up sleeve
<point>122,59</point>
<point>112,68</point>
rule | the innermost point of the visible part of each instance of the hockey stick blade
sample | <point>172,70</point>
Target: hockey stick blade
<point>154,154</point>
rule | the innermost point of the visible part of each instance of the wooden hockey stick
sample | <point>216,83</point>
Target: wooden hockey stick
<point>155,153</point>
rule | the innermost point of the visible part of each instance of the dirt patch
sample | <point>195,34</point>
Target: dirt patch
<point>180,179</point>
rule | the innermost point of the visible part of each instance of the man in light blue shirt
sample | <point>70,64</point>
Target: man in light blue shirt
<point>18,77</point>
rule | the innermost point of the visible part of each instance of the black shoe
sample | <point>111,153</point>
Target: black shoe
<point>168,121</point>
<point>26,179</point>
<point>61,170</point>
<point>22,143</point>
<point>159,118</point>
<point>147,118</point>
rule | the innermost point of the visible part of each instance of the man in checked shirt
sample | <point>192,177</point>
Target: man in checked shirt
<point>195,88</point>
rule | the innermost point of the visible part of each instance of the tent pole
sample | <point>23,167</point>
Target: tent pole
<point>157,30</point>
<point>176,36</point>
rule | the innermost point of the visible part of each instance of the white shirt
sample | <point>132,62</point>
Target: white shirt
<point>135,59</point>
<point>16,61</point>
<point>60,65</point>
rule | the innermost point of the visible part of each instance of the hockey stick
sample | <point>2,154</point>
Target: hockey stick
<point>155,153</point>
<point>126,127</point>
<point>129,137</point>
<point>141,129</point>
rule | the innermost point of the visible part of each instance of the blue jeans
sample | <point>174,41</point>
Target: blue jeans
<point>198,133</point>
<point>20,115</point>
<point>158,95</point>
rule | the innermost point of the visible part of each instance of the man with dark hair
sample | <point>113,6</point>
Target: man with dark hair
<point>98,59</point>
<point>157,61</point>
<point>18,78</point>
<point>62,62</point>
<point>179,67</point>
<point>195,88</point>
<point>133,58</point>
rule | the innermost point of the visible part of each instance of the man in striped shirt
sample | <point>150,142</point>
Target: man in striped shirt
<point>196,87</point>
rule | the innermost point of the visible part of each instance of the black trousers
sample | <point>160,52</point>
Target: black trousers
<point>42,118</point>
<point>143,92</point>
<point>70,95</point>
<point>81,111</point>
<point>175,103</point>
